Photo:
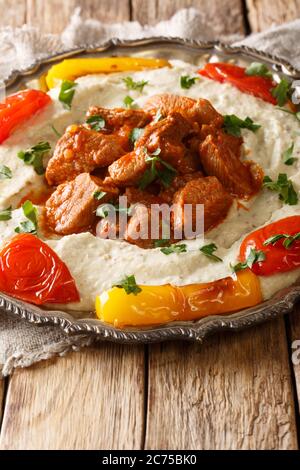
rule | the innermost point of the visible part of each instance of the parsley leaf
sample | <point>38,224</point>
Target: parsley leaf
<point>30,225</point>
<point>162,242</point>
<point>208,250</point>
<point>187,82</point>
<point>158,116</point>
<point>58,134</point>
<point>281,91</point>
<point>288,239</point>
<point>233,125</point>
<point>284,187</point>
<point>99,195</point>
<point>288,159</point>
<point>174,249</point>
<point>5,214</point>
<point>96,122</point>
<point>258,69</point>
<point>5,172</point>
<point>166,174</point>
<point>133,85</point>
<point>105,209</point>
<point>253,257</point>
<point>136,134</point>
<point>34,156</point>
<point>284,110</point>
<point>129,285</point>
<point>66,94</point>
<point>128,101</point>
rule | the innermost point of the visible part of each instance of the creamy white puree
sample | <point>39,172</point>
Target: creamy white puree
<point>96,264</point>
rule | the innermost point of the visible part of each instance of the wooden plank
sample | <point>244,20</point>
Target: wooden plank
<point>222,17</point>
<point>262,15</point>
<point>294,320</point>
<point>88,400</point>
<point>2,397</point>
<point>41,13</point>
<point>13,12</point>
<point>233,393</point>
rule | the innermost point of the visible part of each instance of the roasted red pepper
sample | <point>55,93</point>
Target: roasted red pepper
<point>279,258</point>
<point>261,87</point>
<point>18,108</point>
<point>30,270</point>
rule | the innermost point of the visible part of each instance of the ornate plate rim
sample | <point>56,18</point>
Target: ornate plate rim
<point>280,304</point>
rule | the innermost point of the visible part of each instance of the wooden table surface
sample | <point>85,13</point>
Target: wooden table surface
<point>236,391</point>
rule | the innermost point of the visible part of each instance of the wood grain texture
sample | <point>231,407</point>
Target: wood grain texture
<point>2,397</point>
<point>233,393</point>
<point>88,400</point>
<point>13,12</point>
<point>222,17</point>
<point>41,13</point>
<point>263,14</point>
<point>294,321</point>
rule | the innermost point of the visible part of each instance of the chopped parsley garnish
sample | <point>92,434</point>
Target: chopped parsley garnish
<point>284,187</point>
<point>96,122</point>
<point>168,250</point>
<point>208,250</point>
<point>105,209</point>
<point>288,239</point>
<point>158,116</point>
<point>253,257</point>
<point>66,94</point>
<point>288,158</point>
<point>34,156</point>
<point>162,242</point>
<point>5,172</point>
<point>129,285</point>
<point>99,195</point>
<point>128,101</point>
<point>5,214</point>
<point>284,110</point>
<point>166,174</point>
<point>281,92</point>
<point>233,125</point>
<point>187,82</point>
<point>259,70</point>
<point>58,134</point>
<point>133,85</point>
<point>30,225</point>
<point>136,134</point>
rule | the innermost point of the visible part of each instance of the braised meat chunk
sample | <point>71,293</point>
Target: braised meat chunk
<point>196,111</point>
<point>207,191</point>
<point>116,118</point>
<point>71,208</point>
<point>81,150</point>
<point>178,182</point>
<point>148,221</point>
<point>128,169</point>
<point>219,155</point>
<point>166,136</point>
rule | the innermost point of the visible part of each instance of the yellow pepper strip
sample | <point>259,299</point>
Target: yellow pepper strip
<point>70,69</point>
<point>162,304</point>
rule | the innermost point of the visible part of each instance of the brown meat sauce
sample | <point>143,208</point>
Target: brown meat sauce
<point>207,167</point>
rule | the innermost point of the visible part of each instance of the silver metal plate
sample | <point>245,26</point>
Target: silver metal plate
<point>196,53</point>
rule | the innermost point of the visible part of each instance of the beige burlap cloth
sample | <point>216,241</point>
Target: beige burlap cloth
<point>21,343</point>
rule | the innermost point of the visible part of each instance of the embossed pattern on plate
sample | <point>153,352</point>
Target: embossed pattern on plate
<point>195,52</point>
